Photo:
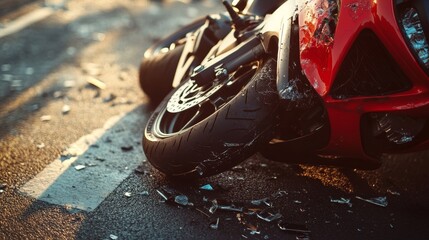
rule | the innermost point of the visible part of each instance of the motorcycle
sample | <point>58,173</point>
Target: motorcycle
<point>333,82</point>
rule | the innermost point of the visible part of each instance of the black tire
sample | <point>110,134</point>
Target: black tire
<point>157,67</point>
<point>221,140</point>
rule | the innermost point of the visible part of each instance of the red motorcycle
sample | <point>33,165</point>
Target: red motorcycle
<point>336,82</point>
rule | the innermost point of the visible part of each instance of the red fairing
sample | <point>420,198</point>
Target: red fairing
<point>322,52</point>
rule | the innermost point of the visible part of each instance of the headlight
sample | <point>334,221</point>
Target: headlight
<point>415,35</point>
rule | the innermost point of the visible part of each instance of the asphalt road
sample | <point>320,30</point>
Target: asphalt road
<point>48,107</point>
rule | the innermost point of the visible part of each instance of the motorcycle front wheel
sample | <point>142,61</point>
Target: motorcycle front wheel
<point>198,131</point>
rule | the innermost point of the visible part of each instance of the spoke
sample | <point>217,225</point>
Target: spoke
<point>193,118</point>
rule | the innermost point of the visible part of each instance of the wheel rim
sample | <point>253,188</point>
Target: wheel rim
<point>191,104</point>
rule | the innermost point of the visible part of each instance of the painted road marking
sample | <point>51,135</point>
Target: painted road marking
<point>25,21</point>
<point>106,165</point>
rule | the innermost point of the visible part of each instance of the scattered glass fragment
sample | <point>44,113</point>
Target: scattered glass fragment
<point>297,202</point>
<point>391,225</point>
<point>40,145</point>
<point>265,201</point>
<point>96,82</point>
<point>181,200</point>
<point>342,201</point>
<point>144,193</point>
<point>215,225</point>
<point>127,194</point>
<point>244,236</point>
<point>291,227</point>
<point>279,194</point>
<point>268,216</point>
<point>263,165</point>
<point>393,193</point>
<point>79,167</point>
<point>127,148</point>
<point>379,201</point>
<point>46,118</point>
<point>240,178</point>
<point>66,109</point>
<point>113,237</point>
<point>69,83</point>
<point>1,191</point>
<point>207,187</point>
<point>224,205</point>
<point>162,195</point>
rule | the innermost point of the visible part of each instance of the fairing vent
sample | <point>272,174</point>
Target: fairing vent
<point>368,70</point>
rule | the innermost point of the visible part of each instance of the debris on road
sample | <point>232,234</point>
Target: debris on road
<point>140,169</point>
<point>65,109</point>
<point>69,83</point>
<point>172,196</point>
<point>379,201</point>
<point>3,187</point>
<point>46,118</point>
<point>225,206</point>
<point>109,98</point>
<point>79,167</point>
<point>267,216</point>
<point>92,81</point>
<point>144,193</point>
<point>215,225</point>
<point>259,202</point>
<point>393,193</point>
<point>40,145</point>
<point>127,148</point>
<point>207,187</point>
<point>127,194</point>
<point>290,227</point>
<point>342,201</point>
<point>113,237</point>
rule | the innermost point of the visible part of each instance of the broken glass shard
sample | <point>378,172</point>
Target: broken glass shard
<point>379,201</point>
<point>113,237</point>
<point>224,205</point>
<point>127,194</point>
<point>215,225</point>
<point>265,201</point>
<point>267,216</point>
<point>342,201</point>
<point>79,167</point>
<point>207,187</point>
<point>144,193</point>
<point>291,227</point>
<point>181,200</point>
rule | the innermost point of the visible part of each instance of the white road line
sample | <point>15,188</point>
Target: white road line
<point>25,21</point>
<point>107,165</point>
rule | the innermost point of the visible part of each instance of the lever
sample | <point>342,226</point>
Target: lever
<point>239,22</point>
